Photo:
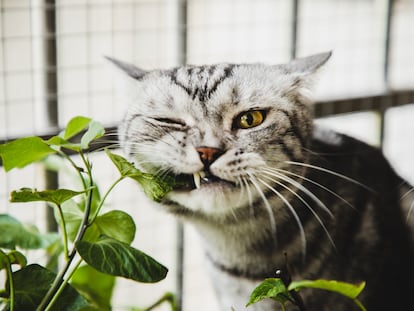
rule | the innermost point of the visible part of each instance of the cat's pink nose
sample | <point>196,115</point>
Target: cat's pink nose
<point>208,155</point>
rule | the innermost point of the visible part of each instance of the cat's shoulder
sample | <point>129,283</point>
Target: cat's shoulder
<point>352,157</point>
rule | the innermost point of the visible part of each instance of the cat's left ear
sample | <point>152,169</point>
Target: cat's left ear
<point>308,65</point>
<point>131,70</point>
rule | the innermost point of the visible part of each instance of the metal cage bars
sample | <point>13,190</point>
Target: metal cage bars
<point>377,103</point>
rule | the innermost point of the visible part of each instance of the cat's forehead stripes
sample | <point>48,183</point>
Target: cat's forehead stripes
<point>200,82</point>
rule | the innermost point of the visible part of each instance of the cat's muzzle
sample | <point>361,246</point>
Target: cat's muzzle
<point>200,179</point>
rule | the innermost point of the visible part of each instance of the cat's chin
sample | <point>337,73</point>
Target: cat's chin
<point>218,197</point>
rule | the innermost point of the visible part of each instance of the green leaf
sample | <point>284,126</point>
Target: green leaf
<point>94,131</point>
<point>75,126</point>
<point>4,260</point>
<point>119,259</point>
<point>109,224</point>
<point>31,284</point>
<point>273,288</point>
<point>15,234</point>
<point>16,257</point>
<point>346,289</point>
<point>24,151</point>
<point>99,292</point>
<point>106,224</point>
<point>73,217</point>
<point>61,142</point>
<point>73,213</point>
<point>154,187</point>
<point>57,196</point>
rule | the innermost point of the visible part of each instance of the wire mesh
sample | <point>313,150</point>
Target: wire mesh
<point>372,41</point>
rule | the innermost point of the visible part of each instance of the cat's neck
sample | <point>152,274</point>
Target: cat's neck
<point>249,247</point>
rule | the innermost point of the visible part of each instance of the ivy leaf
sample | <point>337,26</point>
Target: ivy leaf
<point>98,292</point>
<point>32,283</point>
<point>24,151</point>
<point>154,187</point>
<point>57,196</point>
<point>94,131</point>
<point>75,126</point>
<point>15,234</point>
<point>273,288</point>
<point>119,259</point>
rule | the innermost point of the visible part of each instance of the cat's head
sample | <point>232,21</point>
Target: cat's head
<point>226,131</point>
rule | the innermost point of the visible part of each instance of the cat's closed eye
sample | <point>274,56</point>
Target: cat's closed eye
<point>171,121</point>
<point>249,119</point>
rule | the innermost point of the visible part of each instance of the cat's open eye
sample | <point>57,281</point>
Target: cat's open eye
<point>249,119</point>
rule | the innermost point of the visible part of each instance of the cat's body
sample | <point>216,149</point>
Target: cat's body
<point>261,181</point>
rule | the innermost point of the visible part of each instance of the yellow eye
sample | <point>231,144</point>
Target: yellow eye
<point>250,119</point>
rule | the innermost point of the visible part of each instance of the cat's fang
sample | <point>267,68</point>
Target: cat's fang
<point>197,180</point>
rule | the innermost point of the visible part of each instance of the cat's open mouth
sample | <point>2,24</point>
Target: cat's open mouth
<point>199,180</point>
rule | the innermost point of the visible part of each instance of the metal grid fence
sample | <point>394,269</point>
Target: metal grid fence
<point>51,69</point>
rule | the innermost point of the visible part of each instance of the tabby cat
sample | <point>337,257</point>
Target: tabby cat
<point>259,180</point>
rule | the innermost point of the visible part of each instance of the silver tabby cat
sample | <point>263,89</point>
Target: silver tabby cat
<point>258,180</point>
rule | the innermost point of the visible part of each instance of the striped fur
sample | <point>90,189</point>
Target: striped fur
<point>330,202</point>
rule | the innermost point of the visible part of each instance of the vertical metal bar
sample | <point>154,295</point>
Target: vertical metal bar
<point>294,29</point>
<point>386,69</point>
<point>45,80</point>
<point>5,72</point>
<point>387,42</point>
<point>51,84</point>
<point>183,33</point>
<point>182,60</point>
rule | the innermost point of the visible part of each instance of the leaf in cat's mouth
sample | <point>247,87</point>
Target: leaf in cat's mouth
<point>198,180</point>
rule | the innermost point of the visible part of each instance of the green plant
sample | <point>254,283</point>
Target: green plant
<point>89,240</point>
<point>283,290</point>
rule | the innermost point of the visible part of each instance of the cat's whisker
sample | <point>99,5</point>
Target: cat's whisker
<point>410,212</point>
<point>300,187</point>
<point>241,192</point>
<point>322,169</point>
<point>407,193</point>
<point>317,184</point>
<point>266,203</point>
<point>307,205</point>
<point>249,195</point>
<point>294,214</point>
<point>411,209</point>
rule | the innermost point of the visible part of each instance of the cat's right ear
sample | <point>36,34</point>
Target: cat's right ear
<point>131,70</point>
<point>308,65</point>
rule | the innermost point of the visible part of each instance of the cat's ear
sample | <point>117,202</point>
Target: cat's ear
<point>308,65</point>
<point>131,70</point>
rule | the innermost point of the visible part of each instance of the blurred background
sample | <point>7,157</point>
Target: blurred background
<point>52,68</point>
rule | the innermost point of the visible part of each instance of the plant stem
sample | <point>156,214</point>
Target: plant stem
<point>167,297</point>
<point>55,285</point>
<point>62,286</point>
<point>53,292</point>
<point>11,283</point>
<point>63,229</point>
<point>68,158</point>
<point>85,221</point>
<point>104,198</point>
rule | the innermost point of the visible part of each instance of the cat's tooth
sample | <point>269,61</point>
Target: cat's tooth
<point>197,180</point>
<point>202,174</point>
